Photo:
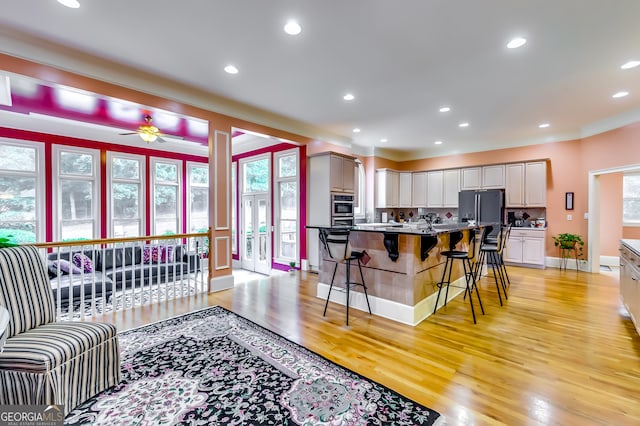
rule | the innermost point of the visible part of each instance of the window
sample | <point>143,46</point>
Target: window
<point>234,203</point>
<point>198,212</point>
<point>76,194</point>
<point>287,205</point>
<point>166,196</point>
<point>255,176</point>
<point>126,197</point>
<point>359,210</point>
<point>21,192</point>
<point>631,199</point>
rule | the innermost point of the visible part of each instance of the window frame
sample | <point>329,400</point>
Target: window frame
<point>56,155</point>
<point>234,207</point>
<point>40,199</point>
<point>153,162</point>
<point>140,181</point>
<point>277,256</point>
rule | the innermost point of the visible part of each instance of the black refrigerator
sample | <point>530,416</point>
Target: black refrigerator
<point>483,206</point>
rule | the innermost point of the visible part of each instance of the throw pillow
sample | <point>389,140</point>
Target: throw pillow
<point>66,267</point>
<point>82,261</point>
<point>150,254</point>
<point>166,254</point>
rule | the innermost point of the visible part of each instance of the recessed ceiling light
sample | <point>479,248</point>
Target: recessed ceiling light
<point>630,64</point>
<point>348,97</point>
<point>383,140</point>
<point>292,28</point>
<point>445,109</point>
<point>356,130</point>
<point>438,142</point>
<point>543,125</point>
<point>620,94</point>
<point>516,42</point>
<point>74,4</point>
<point>465,124</point>
<point>231,69</point>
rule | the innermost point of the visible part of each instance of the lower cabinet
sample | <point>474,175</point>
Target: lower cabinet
<point>526,247</point>
<point>630,283</point>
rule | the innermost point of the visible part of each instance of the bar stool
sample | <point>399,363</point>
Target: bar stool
<point>492,252</point>
<point>469,270</point>
<point>336,242</point>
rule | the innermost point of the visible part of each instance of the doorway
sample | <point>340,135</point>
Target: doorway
<point>255,235</point>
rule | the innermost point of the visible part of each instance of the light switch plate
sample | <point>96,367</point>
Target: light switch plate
<point>569,217</point>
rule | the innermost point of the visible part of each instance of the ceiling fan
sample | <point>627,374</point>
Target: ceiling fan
<point>148,132</point>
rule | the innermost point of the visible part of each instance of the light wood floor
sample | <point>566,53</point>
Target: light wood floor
<point>561,351</point>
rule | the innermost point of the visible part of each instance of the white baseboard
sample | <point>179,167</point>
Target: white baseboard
<point>410,315</point>
<point>554,262</point>
<point>221,283</point>
<point>610,260</point>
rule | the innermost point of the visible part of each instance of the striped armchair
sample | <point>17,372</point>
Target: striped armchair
<point>44,361</point>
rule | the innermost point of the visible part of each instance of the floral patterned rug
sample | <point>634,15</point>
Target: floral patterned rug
<point>215,367</point>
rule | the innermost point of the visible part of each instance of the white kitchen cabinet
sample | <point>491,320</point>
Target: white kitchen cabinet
<point>526,184</point>
<point>514,193</point>
<point>387,188</point>
<point>435,185</point>
<point>535,184</point>
<point>451,188</point>
<point>471,178</point>
<point>405,188</point>
<point>419,189</point>
<point>526,247</point>
<point>342,174</point>
<point>493,176</point>
<point>630,279</point>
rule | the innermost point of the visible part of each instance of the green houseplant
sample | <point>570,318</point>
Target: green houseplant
<point>292,264</point>
<point>568,241</point>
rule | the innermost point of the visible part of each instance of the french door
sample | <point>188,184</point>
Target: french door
<point>255,233</point>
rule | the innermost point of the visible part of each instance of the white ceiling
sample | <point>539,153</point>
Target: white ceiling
<point>402,60</point>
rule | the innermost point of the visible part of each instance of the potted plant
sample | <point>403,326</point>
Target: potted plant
<point>292,270</point>
<point>569,241</point>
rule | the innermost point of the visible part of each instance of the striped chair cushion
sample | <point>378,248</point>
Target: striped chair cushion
<point>51,345</point>
<point>25,289</point>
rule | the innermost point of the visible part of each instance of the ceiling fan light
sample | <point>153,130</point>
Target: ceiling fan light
<point>148,137</point>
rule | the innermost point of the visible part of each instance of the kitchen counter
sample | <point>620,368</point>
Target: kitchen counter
<point>406,265</point>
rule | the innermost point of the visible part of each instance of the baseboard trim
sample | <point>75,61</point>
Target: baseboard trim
<point>221,283</point>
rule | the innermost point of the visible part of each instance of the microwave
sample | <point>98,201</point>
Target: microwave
<point>341,205</point>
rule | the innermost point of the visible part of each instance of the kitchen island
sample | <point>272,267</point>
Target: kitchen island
<point>404,269</point>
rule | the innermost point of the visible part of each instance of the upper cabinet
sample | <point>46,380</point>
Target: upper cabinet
<point>342,174</point>
<point>387,188</point>
<point>535,184</point>
<point>493,176</point>
<point>435,185</point>
<point>451,188</point>
<point>514,194</point>
<point>526,184</point>
<point>405,189</point>
<point>471,178</point>
<point>419,189</point>
<point>483,177</point>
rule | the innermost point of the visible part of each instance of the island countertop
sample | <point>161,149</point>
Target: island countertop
<point>414,228</point>
<point>404,268</point>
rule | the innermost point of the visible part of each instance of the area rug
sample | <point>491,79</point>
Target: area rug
<point>215,367</point>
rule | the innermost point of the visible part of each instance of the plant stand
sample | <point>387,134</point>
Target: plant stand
<point>565,255</point>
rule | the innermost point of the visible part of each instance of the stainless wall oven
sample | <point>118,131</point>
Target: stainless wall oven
<point>341,205</point>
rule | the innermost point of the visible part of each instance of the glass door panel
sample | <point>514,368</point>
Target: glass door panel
<point>255,234</point>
